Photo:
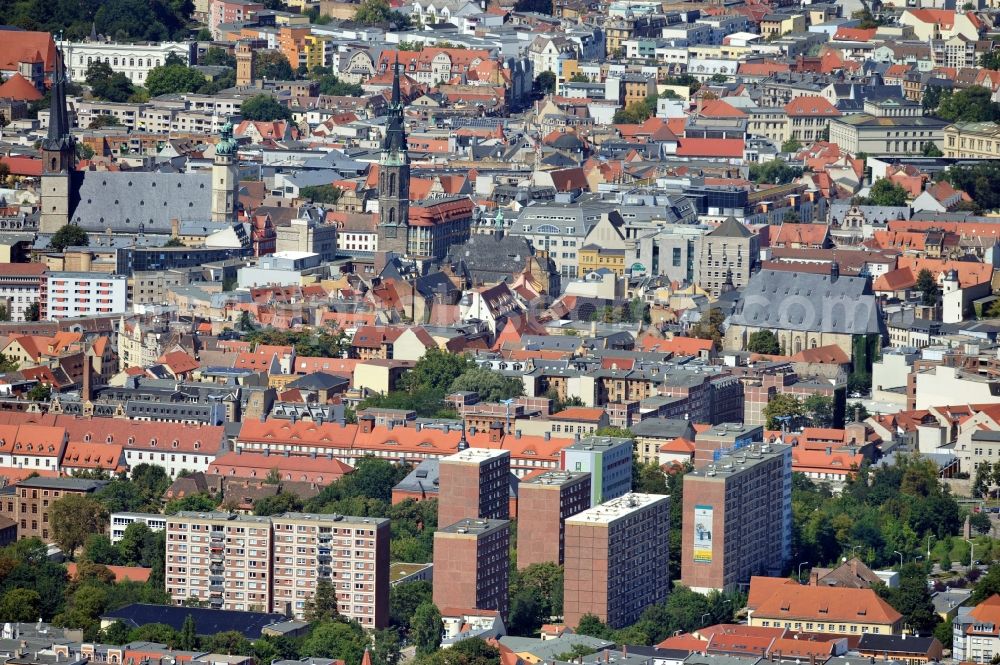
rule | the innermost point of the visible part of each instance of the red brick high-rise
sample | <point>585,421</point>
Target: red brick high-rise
<point>472,565</point>
<point>616,559</point>
<point>544,503</point>
<point>474,484</point>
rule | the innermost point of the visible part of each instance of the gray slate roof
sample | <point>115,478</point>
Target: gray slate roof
<point>122,201</point>
<point>787,300</point>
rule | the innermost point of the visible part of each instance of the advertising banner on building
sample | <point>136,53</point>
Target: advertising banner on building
<point>703,534</point>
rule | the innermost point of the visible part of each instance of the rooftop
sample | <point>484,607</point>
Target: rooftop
<point>474,527</point>
<point>475,456</point>
<point>555,478</point>
<point>599,443</point>
<point>737,461</point>
<point>615,509</point>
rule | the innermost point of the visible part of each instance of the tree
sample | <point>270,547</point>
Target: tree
<point>973,104</point>
<point>763,341</point>
<point>174,242</point>
<point>491,386</point>
<point>710,327</point>
<point>7,364</point>
<point>791,145</point>
<point>931,150</point>
<point>912,599</point>
<point>774,172</point>
<point>321,193</point>
<point>264,107</point>
<point>20,605</point>
<point>4,313</point>
<point>218,57</point>
<point>39,393</point>
<point>188,640</point>
<point>981,181</point>
<point>69,235</point>
<point>545,83</point>
<point>990,60</point>
<point>33,312</point>
<point>436,371</point>
<point>172,79</point>
<point>378,13</point>
<point>74,518</point>
<point>245,323</point>
<point>386,647</point>
<point>404,599</point>
<point>103,120</point>
<point>633,114</point>
<point>426,629</point>
<point>116,88</point>
<point>780,407</point>
<point>99,549</point>
<point>885,193</point>
<point>818,409</point>
<point>336,639</point>
<point>273,65</point>
<point>928,286</point>
<point>323,604</point>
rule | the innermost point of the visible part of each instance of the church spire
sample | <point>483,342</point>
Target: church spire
<point>58,119</point>
<point>394,145</point>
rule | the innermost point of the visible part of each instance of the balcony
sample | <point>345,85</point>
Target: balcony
<point>215,589</point>
<point>216,579</point>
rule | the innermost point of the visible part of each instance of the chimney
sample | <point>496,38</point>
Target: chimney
<point>85,393</point>
<point>367,422</point>
<point>834,271</point>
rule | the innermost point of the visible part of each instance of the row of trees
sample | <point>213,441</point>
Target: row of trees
<point>123,20</point>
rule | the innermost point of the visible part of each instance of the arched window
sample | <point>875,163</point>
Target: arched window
<point>392,184</point>
<point>116,62</point>
<point>392,215</point>
<point>131,62</point>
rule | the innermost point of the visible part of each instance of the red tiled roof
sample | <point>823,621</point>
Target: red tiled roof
<point>19,88</point>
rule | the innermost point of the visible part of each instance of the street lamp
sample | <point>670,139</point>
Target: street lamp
<point>918,558</point>
<point>929,546</point>
<point>706,614</point>
<point>900,558</point>
<point>804,563</point>
<point>972,552</point>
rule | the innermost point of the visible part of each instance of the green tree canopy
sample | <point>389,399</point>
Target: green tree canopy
<point>973,104</point>
<point>73,518</point>
<point>763,341</point>
<point>545,83</point>
<point>492,386</point>
<point>69,235</point>
<point>885,193</point>
<point>171,79</point>
<point>426,628</point>
<point>264,107</point>
<point>774,172</point>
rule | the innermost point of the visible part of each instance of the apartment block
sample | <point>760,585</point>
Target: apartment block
<point>19,287</point>
<point>222,559</point>
<point>616,559</point>
<point>737,518</point>
<point>351,552</point>
<point>607,459</point>
<point>544,503</point>
<point>273,564</point>
<point>121,521</point>
<point>472,565</point>
<point>474,484</point>
<point>75,294</point>
<point>29,503</point>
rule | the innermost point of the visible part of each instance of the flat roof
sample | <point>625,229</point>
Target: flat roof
<point>737,461</point>
<point>555,478</point>
<point>615,509</point>
<point>598,443</point>
<point>399,569</point>
<point>469,526</point>
<point>331,518</point>
<point>475,455</point>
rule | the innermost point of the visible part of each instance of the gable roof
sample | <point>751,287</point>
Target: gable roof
<point>827,604</point>
<point>730,228</point>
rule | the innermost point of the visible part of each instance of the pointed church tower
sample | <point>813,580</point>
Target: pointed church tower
<point>58,158</point>
<point>394,178</point>
<point>225,178</point>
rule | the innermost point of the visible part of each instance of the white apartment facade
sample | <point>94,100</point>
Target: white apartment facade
<point>121,521</point>
<point>75,294</point>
